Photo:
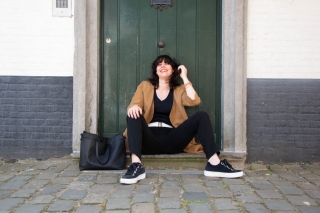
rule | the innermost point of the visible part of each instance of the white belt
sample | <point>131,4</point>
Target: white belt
<point>159,124</point>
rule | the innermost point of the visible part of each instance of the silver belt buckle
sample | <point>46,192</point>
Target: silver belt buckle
<point>159,124</point>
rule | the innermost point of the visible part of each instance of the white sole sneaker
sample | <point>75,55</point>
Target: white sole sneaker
<point>223,174</point>
<point>133,180</point>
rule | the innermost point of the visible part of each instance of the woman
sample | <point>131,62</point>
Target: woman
<point>157,122</point>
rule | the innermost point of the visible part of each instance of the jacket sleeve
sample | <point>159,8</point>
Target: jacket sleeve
<point>137,98</point>
<point>186,101</point>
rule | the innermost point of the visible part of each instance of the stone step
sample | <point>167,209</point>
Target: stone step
<point>183,161</point>
<point>186,161</point>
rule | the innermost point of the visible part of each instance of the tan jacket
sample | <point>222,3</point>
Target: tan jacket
<point>143,97</point>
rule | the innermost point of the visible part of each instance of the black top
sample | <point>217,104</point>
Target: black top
<point>162,108</point>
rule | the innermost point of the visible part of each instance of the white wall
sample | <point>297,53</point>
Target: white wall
<point>283,39</point>
<point>32,41</point>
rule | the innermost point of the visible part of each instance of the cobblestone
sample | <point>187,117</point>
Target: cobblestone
<point>170,183</point>
<point>46,176</point>
<point>203,208</point>
<point>143,198</point>
<point>248,198</point>
<point>255,208</point>
<point>193,187</point>
<point>309,209</point>
<point>301,201</point>
<point>102,189</point>
<point>118,203</point>
<point>143,208</point>
<point>72,194</point>
<point>262,185</point>
<point>224,204</point>
<point>4,194</point>
<point>269,194</point>
<point>30,208</point>
<point>195,196</point>
<point>62,206</point>
<point>91,209</point>
<point>118,211</point>
<point>70,173</point>
<point>56,185</point>
<point>279,205</point>
<point>93,198</point>
<point>122,193</point>
<point>52,189</point>
<point>290,190</point>
<point>5,177</point>
<point>219,192</point>
<point>169,203</point>
<point>106,180</point>
<point>26,193</point>
<point>36,184</point>
<point>80,185</point>
<point>41,199</point>
<point>168,192</point>
<point>9,203</point>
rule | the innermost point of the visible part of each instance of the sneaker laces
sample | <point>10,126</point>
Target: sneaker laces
<point>133,169</point>
<point>227,164</point>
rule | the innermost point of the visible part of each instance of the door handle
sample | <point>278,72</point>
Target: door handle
<point>161,44</point>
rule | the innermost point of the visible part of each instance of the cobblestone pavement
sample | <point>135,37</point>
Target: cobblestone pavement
<point>57,185</point>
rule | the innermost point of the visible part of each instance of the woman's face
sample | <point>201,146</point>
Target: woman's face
<point>164,70</point>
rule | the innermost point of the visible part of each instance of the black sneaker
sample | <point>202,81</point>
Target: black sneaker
<point>135,172</point>
<point>223,169</point>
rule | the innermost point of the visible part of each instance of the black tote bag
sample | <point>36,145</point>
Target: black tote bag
<point>101,153</point>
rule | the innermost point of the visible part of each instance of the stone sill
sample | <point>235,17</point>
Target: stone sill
<point>223,154</point>
<point>184,161</point>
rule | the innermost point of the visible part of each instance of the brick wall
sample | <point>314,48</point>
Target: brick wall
<point>36,69</point>
<point>283,70</point>
<point>283,39</point>
<point>35,117</point>
<point>283,118</point>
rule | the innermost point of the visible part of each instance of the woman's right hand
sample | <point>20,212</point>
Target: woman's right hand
<point>184,71</point>
<point>134,112</point>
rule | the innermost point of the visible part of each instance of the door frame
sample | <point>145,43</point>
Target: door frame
<point>86,72</point>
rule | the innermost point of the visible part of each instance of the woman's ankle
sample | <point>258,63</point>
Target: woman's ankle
<point>135,159</point>
<point>214,160</point>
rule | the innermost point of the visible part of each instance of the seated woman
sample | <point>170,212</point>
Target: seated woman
<point>157,122</point>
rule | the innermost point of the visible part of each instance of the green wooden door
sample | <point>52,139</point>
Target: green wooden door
<point>130,31</point>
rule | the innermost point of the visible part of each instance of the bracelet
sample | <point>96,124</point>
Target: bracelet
<point>187,84</point>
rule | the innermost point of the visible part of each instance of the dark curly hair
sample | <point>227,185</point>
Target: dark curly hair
<point>173,82</point>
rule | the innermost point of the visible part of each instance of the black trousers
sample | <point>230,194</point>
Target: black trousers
<point>162,140</point>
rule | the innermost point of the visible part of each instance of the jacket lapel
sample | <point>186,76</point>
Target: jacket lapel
<point>149,105</point>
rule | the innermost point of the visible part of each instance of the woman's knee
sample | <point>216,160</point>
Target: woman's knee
<point>128,119</point>
<point>135,122</point>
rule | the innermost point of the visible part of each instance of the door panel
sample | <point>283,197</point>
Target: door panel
<point>109,79</point>
<point>128,12</point>
<point>190,30</point>
<point>167,25</point>
<point>206,49</point>
<point>147,40</point>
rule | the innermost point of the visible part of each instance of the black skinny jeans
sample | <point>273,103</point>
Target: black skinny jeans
<point>162,140</point>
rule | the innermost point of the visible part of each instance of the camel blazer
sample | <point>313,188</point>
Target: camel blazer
<point>143,97</point>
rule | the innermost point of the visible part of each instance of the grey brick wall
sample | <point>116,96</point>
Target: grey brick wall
<point>35,117</point>
<point>283,118</point>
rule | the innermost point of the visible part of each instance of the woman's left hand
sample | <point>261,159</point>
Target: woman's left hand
<point>184,71</point>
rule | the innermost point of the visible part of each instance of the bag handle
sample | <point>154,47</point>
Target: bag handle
<point>105,156</point>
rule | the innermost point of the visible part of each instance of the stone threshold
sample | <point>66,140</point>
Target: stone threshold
<point>183,161</point>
